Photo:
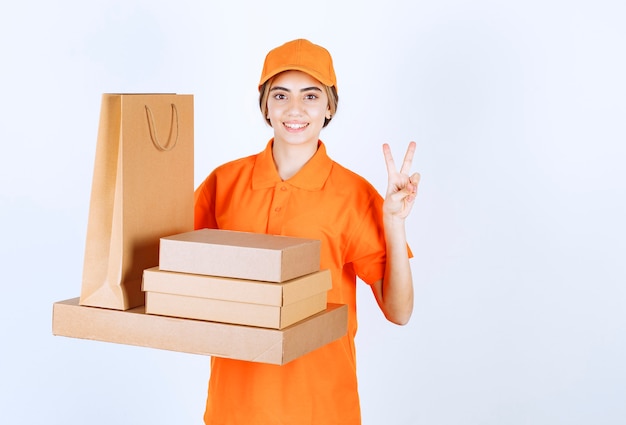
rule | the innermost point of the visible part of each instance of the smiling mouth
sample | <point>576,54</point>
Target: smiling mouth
<point>295,126</point>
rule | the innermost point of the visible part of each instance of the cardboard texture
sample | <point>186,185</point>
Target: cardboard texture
<point>241,255</point>
<point>134,327</point>
<point>262,315</point>
<point>238,290</point>
<point>142,189</point>
<point>239,301</point>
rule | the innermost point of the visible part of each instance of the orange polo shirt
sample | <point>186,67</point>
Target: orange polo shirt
<point>322,201</point>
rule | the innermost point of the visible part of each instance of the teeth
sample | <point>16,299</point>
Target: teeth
<point>295,126</point>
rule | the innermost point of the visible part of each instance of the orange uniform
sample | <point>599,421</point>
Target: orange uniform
<point>322,201</point>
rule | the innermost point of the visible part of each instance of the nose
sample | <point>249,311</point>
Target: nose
<point>295,107</point>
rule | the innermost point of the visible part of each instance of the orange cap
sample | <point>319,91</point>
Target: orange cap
<point>300,55</point>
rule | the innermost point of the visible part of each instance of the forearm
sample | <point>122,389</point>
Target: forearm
<point>397,286</point>
<point>395,293</point>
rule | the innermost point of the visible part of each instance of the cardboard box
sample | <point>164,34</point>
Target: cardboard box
<point>239,301</point>
<point>266,316</point>
<point>134,327</point>
<point>241,255</point>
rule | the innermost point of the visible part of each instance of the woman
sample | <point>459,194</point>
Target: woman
<point>293,188</point>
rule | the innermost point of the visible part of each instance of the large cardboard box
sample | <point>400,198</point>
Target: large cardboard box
<point>241,255</point>
<point>239,301</point>
<point>134,327</point>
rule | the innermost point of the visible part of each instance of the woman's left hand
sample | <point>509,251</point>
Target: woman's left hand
<point>401,187</point>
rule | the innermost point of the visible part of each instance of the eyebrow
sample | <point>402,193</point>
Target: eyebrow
<point>301,90</point>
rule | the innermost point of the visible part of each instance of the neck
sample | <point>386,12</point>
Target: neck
<point>289,159</point>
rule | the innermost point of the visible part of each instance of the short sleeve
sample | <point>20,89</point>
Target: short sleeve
<point>366,247</point>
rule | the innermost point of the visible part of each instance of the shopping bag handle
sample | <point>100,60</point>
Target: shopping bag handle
<point>153,132</point>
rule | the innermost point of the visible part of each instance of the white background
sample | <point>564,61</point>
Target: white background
<point>518,109</point>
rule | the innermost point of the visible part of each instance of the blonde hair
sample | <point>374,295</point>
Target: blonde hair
<point>331,93</point>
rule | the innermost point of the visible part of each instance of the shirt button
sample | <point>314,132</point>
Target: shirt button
<point>283,188</point>
<point>277,209</point>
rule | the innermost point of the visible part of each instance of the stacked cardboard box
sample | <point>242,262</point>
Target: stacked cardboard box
<point>237,277</point>
<point>194,309</point>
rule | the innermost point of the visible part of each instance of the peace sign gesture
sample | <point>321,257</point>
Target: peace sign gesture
<point>401,188</point>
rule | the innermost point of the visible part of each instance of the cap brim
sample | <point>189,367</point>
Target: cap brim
<point>304,69</point>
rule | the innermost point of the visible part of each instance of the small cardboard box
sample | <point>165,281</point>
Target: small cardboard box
<point>134,327</point>
<point>241,255</point>
<point>238,301</point>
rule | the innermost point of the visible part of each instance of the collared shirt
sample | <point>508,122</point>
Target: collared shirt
<point>323,201</point>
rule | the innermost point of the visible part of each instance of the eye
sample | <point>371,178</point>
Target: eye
<point>280,96</point>
<point>310,96</point>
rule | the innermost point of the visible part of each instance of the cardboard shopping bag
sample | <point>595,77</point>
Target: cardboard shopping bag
<point>142,190</point>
